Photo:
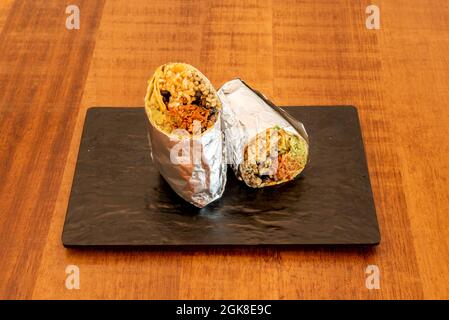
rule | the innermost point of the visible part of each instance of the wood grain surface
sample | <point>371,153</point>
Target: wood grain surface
<point>304,52</point>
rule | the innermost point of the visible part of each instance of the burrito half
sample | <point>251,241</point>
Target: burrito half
<point>265,145</point>
<point>185,132</point>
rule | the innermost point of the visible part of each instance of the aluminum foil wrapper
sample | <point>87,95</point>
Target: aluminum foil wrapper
<point>199,174</point>
<point>246,113</point>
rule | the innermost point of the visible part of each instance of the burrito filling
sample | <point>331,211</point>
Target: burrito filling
<point>184,96</point>
<point>274,156</point>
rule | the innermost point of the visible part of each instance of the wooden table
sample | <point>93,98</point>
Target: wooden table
<point>297,53</point>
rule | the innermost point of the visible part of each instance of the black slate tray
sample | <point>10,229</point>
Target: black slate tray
<point>119,199</point>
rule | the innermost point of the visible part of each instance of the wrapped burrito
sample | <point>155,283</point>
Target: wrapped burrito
<point>185,134</point>
<point>265,145</point>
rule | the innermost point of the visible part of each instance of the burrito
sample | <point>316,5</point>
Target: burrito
<point>184,115</point>
<point>265,145</point>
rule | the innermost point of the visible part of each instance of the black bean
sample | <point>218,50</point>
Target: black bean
<point>203,103</point>
<point>197,98</point>
<point>165,96</point>
<point>211,113</point>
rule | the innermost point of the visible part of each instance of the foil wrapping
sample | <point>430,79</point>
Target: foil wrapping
<point>194,167</point>
<point>246,113</point>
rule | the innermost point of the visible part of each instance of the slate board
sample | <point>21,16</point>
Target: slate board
<point>119,199</point>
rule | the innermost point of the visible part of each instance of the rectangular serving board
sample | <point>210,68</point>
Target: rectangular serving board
<point>118,198</point>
